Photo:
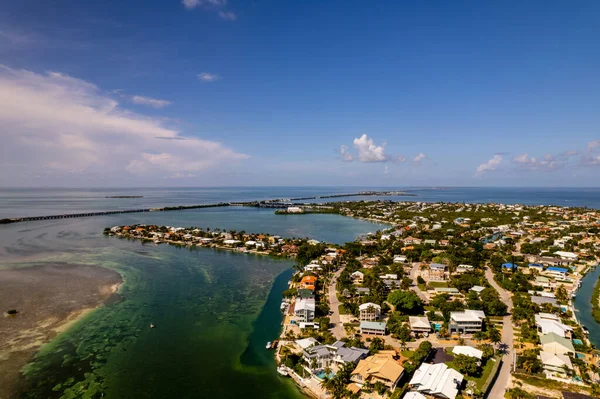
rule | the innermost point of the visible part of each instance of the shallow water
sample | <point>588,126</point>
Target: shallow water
<point>209,306</point>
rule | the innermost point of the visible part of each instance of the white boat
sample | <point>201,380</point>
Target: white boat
<point>152,325</point>
<point>282,371</point>
<point>268,345</point>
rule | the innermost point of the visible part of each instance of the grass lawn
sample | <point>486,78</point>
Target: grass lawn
<point>421,287</point>
<point>408,354</point>
<point>438,284</point>
<point>485,373</point>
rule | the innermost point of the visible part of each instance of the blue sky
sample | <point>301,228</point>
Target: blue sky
<point>226,92</point>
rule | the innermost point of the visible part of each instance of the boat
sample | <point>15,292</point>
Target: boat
<point>281,370</point>
<point>585,330</point>
<point>268,345</point>
<point>152,325</point>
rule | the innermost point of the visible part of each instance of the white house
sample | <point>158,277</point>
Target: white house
<point>304,309</point>
<point>570,256</point>
<point>436,380</point>
<point>369,311</point>
<point>467,351</point>
<point>555,364</point>
<point>400,259</point>
<point>294,209</point>
<point>466,322</point>
<point>372,327</point>
<point>419,324</point>
<point>548,323</point>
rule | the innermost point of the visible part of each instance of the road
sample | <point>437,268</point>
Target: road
<point>334,306</point>
<point>414,272</point>
<point>503,379</point>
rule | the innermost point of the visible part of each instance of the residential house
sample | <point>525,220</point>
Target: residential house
<point>436,272</point>
<point>304,309</point>
<point>556,272</point>
<point>391,285</point>
<point>319,357</point>
<point>362,291</point>
<point>380,367</point>
<point>466,322</point>
<point>306,342</point>
<point>436,380</point>
<point>554,364</point>
<point>357,276</point>
<point>400,259</point>
<point>547,326</point>
<point>467,351</point>
<point>540,300</point>
<point>412,241</point>
<point>389,276</point>
<point>419,324</point>
<point>553,343</point>
<point>568,256</point>
<point>372,327</point>
<point>477,289</point>
<point>464,268</point>
<point>369,311</point>
<point>509,266</point>
<point>430,242</point>
<point>308,282</point>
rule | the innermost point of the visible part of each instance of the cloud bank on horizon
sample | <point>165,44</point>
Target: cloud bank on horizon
<point>57,125</point>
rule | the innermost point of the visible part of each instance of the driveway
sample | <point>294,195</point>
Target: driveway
<point>503,379</point>
<point>414,272</point>
<point>337,328</point>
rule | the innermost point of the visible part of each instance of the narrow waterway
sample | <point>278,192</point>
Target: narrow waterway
<point>583,306</point>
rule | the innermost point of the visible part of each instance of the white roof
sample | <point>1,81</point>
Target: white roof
<point>477,288</point>
<point>414,395</point>
<point>231,241</point>
<point>468,351</point>
<point>418,321</point>
<point>365,306</point>
<point>551,326</point>
<point>305,304</point>
<point>468,315</point>
<point>564,254</point>
<point>437,379</point>
<point>550,359</point>
<point>307,342</point>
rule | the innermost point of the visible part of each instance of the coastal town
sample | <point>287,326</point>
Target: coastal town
<point>453,300</point>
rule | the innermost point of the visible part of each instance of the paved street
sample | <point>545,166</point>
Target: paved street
<point>503,379</point>
<point>337,328</point>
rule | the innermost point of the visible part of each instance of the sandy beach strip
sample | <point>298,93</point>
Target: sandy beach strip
<point>49,298</point>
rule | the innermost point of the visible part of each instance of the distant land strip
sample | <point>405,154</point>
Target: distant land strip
<point>273,203</point>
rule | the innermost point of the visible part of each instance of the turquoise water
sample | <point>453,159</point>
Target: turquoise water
<point>583,306</point>
<point>214,310</point>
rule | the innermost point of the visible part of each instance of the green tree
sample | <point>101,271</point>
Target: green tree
<point>465,364</point>
<point>406,302</point>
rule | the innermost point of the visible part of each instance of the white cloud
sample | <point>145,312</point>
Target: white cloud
<point>152,102</point>
<point>228,15</point>
<point>592,145</point>
<point>548,163</point>
<point>208,77</point>
<point>346,156</point>
<point>368,151</point>
<point>419,157</point>
<point>386,170</point>
<point>56,124</point>
<point>401,158</point>
<point>490,165</point>
<point>191,4</point>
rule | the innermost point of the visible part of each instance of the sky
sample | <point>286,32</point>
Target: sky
<point>270,92</point>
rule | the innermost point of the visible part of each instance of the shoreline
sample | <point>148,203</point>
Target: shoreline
<point>56,297</point>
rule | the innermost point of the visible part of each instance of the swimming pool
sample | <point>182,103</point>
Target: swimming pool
<point>321,375</point>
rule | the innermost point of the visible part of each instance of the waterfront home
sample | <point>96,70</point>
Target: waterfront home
<point>231,242</point>
<point>436,272</point>
<point>466,322</point>
<point>319,357</point>
<point>541,300</point>
<point>308,283</point>
<point>553,343</point>
<point>547,323</point>
<point>306,342</point>
<point>555,364</point>
<point>414,395</point>
<point>467,351</point>
<point>436,380</point>
<point>568,256</point>
<point>372,327</point>
<point>419,324</point>
<point>304,309</point>
<point>380,367</point>
<point>369,311</point>
<point>556,272</point>
<point>294,209</point>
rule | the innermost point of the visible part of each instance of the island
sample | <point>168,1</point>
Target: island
<point>449,289</point>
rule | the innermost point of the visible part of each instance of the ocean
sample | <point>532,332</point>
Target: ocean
<point>214,310</point>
